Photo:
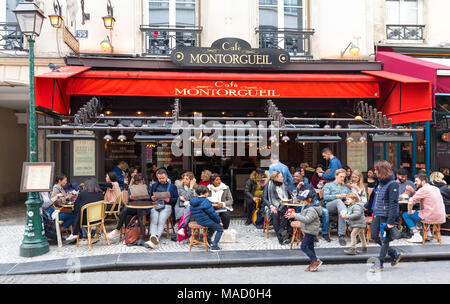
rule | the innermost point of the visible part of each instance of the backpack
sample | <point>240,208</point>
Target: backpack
<point>49,226</point>
<point>132,231</point>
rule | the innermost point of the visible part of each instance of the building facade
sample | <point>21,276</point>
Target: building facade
<point>321,37</point>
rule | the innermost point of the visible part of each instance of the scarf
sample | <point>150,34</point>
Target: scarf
<point>217,192</point>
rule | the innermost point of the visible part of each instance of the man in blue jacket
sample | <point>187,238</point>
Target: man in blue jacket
<point>282,168</point>
<point>205,215</point>
<point>335,164</point>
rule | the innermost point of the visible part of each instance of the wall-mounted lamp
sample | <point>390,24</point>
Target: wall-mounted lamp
<point>106,44</point>
<point>107,137</point>
<point>354,49</point>
<point>56,20</point>
<point>122,137</point>
<point>108,21</point>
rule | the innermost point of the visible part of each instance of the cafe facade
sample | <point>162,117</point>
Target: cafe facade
<point>231,107</point>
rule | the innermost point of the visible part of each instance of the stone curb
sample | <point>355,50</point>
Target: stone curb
<point>239,258</point>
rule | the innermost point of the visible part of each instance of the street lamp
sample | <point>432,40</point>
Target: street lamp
<point>30,19</point>
<point>108,21</point>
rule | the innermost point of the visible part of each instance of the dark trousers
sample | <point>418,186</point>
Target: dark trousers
<point>127,213</point>
<point>307,247</point>
<point>215,228</point>
<point>376,235</point>
<point>279,222</point>
<point>249,206</point>
<point>225,217</point>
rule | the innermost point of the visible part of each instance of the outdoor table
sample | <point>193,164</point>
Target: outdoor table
<point>291,204</point>
<point>140,205</point>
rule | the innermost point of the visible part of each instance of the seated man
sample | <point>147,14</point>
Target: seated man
<point>432,208</point>
<point>299,186</point>
<point>334,194</point>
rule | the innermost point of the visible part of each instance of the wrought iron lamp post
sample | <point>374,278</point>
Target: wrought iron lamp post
<point>30,18</point>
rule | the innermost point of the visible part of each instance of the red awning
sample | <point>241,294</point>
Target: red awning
<point>404,99</point>
<point>201,84</point>
<point>50,89</point>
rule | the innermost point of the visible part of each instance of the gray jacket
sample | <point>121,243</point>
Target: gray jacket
<point>310,219</point>
<point>356,215</point>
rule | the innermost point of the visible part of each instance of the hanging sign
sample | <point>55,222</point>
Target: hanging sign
<point>229,52</point>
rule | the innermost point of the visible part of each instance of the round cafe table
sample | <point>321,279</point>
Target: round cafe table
<point>291,204</point>
<point>140,205</point>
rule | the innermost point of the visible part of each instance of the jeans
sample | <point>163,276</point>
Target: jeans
<point>325,217</point>
<point>158,220</point>
<point>335,207</point>
<point>279,222</point>
<point>214,228</point>
<point>411,219</point>
<point>376,236</point>
<point>68,218</point>
<point>307,246</point>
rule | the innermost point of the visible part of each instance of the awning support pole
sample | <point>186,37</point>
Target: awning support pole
<point>427,147</point>
<point>414,153</point>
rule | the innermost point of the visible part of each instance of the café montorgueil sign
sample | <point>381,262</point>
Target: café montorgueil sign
<point>229,52</point>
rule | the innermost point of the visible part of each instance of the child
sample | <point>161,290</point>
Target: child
<point>205,215</point>
<point>357,222</point>
<point>310,219</point>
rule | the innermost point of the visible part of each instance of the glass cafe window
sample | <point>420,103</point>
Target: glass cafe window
<point>159,13</point>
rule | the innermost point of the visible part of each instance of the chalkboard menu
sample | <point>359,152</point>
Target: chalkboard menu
<point>357,152</point>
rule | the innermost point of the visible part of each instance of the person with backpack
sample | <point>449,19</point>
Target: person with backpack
<point>204,214</point>
<point>385,212</point>
<point>309,218</point>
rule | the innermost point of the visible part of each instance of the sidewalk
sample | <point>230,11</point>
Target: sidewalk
<point>251,248</point>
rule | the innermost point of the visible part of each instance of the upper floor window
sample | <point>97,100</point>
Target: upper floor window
<point>282,25</point>
<point>281,14</point>
<point>171,23</point>
<point>174,13</point>
<point>403,20</point>
<point>402,12</point>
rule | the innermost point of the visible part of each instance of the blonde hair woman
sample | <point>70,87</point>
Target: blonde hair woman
<point>205,178</point>
<point>253,192</point>
<point>357,185</point>
<point>437,180</point>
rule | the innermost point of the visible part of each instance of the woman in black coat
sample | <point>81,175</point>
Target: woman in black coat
<point>90,194</point>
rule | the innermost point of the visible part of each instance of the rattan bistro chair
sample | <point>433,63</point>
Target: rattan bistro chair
<point>113,213</point>
<point>94,213</point>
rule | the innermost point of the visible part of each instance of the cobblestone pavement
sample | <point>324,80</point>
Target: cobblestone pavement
<point>247,238</point>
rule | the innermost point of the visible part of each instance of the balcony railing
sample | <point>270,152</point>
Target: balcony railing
<point>404,32</point>
<point>11,39</point>
<point>297,42</point>
<point>160,41</point>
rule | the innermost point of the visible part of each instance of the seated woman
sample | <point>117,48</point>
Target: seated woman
<point>186,191</point>
<point>112,189</point>
<point>205,178</point>
<point>274,193</point>
<point>131,176</point>
<point>371,182</point>
<point>221,195</point>
<point>90,194</point>
<point>61,198</point>
<point>253,192</point>
<point>138,191</point>
<point>160,214</point>
<point>317,181</point>
<point>303,173</point>
<point>357,185</point>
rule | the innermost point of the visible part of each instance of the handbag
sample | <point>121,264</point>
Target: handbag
<point>132,231</point>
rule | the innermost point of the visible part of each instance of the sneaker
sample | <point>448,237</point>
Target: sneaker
<point>315,265</point>
<point>394,261</point>
<point>362,250</point>
<point>113,234</point>
<point>316,240</point>
<point>342,241</point>
<point>309,267</point>
<point>181,232</point>
<point>215,249</point>
<point>70,239</point>
<point>154,239</point>
<point>350,251</point>
<point>376,267</point>
<point>149,244</point>
<point>326,238</point>
<point>416,238</point>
